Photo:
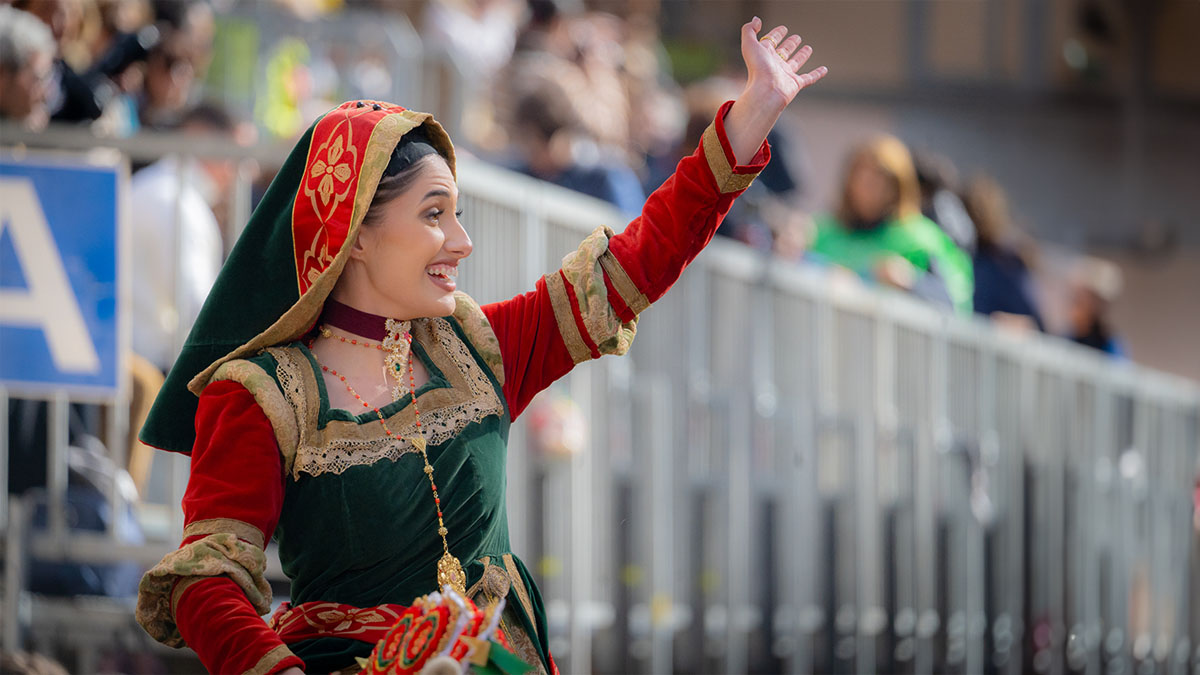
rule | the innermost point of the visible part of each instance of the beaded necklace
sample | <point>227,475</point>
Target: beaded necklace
<point>449,569</point>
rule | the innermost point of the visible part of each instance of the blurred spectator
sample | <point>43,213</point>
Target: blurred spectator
<point>553,147</point>
<point>177,62</point>
<point>482,33</point>
<point>168,85</point>
<point>121,74</point>
<point>70,98</point>
<point>939,198</point>
<point>112,20</point>
<point>1003,283</point>
<point>1094,286</point>
<point>176,233</point>
<point>792,229</point>
<point>26,68</point>
<point>878,230</point>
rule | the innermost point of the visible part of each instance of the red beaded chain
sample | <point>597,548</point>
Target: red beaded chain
<point>325,332</point>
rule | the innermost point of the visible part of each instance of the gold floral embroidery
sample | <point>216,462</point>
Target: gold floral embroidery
<point>329,173</point>
<point>333,619</point>
<point>316,257</point>
<point>342,444</point>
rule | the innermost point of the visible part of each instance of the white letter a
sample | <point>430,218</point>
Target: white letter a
<point>48,303</point>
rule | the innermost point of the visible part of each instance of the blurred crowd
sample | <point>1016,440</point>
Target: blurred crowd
<point>579,98</point>
<point>117,65</point>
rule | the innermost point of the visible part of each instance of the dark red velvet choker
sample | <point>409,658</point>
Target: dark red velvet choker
<point>345,317</point>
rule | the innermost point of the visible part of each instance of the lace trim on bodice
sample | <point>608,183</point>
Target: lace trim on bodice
<point>445,411</point>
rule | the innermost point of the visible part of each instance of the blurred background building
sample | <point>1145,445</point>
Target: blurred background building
<point>1045,150</point>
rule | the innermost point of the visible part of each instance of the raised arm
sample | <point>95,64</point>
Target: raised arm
<point>589,307</point>
<point>773,64</point>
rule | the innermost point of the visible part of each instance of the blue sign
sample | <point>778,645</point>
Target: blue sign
<point>61,303</point>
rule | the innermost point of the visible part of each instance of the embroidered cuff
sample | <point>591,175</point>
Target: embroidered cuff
<point>587,322</point>
<point>272,660</point>
<point>244,531</point>
<point>729,175</point>
<point>222,554</point>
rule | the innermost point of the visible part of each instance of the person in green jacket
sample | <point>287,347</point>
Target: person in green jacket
<point>879,233</point>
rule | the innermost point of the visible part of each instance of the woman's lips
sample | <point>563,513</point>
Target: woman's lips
<point>443,276</point>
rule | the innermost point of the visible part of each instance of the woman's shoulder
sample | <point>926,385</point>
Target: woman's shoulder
<point>258,374</point>
<point>478,332</point>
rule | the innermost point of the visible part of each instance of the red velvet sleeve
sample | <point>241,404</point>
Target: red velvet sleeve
<point>236,485</point>
<point>545,332</point>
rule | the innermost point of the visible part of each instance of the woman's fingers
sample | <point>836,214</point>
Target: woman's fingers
<point>774,38</point>
<point>788,47</point>
<point>799,58</point>
<point>807,79</point>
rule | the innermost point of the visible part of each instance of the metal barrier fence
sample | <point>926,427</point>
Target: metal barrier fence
<point>788,475</point>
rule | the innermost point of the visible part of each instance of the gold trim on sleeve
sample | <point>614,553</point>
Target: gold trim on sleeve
<point>727,180</point>
<point>270,660</point>
<point>243,530</point>
<point>623,284</point>
<point>583,270</point>
<point>563,314</point>
<point>216,555</point>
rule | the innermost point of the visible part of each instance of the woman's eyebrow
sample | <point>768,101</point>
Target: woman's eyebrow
<point>436,193</point>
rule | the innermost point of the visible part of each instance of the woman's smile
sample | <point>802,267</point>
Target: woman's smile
<point>443,276</point>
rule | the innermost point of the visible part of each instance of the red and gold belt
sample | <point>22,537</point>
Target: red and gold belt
<point>310,620</point>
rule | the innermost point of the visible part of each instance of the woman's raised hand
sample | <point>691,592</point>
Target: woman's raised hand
<point>773,64</point>
<point>774,61</point>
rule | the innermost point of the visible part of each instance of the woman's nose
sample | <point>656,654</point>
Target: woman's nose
<point>458,241</point>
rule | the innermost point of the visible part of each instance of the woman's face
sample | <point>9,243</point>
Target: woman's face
<point>872,192</point>
<point>404,264</point>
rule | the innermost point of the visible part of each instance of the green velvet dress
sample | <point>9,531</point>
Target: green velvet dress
<point>359,524</point>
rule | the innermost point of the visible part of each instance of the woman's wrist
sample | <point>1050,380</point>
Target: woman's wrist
<point>765,97</point>
<point>750,119</point>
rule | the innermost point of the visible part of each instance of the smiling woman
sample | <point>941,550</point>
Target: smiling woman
<point>339,395</point>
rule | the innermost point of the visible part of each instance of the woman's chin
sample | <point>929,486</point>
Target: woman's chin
<point>446,305</point>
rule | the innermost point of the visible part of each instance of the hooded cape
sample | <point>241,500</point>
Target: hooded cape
<point>289,257</point>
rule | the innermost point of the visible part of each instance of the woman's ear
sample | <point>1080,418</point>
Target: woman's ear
<point>359,248</point>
